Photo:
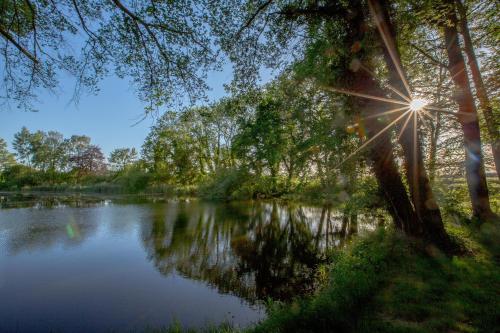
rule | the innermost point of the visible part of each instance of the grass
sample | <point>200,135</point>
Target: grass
<point>177,328</point>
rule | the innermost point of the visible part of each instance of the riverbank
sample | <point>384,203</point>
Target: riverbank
<point>450,192</point>
<point>386,282</point>
<point>378,281</point>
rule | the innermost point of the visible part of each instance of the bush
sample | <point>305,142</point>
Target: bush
<point>18,176</point>
<point>133,180</point>
<point>226,184</point>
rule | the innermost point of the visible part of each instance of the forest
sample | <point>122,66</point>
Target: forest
<point>380,105</point>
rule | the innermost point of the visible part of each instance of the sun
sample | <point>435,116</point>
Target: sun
<point>418,104</point>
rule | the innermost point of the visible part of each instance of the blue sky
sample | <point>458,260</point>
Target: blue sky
<point>108,117</point>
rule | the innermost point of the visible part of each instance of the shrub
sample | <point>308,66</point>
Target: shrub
<point>226,184</point>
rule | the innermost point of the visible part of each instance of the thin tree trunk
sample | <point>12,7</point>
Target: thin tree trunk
<point>474,163</point>
<point>343,226</point>
<point>436,131</point>
<point>421,192</point>
<point>492,124</point>
<point>353,224</point>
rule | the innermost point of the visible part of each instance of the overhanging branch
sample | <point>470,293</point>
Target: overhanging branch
<point>21,48</point>
<point>429,56</point>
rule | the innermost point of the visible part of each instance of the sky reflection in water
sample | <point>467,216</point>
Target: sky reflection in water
<point>74,265</point>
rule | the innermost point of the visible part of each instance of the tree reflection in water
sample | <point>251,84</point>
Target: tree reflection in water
<point>253,250</point>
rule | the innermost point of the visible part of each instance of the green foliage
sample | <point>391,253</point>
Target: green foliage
<point>225,185</point>
<point>262,140</point>
<point>385,283</point>
<point>130,38</point>
<point>177,328</point>
<point>133,180</point>
<point>120,158</point>
<point>6,158</point>
<point>18,176</point>
<point>356,275</point>
<point>432,293</point>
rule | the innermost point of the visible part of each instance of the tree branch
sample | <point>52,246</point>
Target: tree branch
<point>262,7</point>
<point>146,26</point>
<point>429,56</point>
<point>318,11</point>
<point>21,48</point>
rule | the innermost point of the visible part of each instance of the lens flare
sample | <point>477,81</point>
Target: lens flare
<point>418,104</point>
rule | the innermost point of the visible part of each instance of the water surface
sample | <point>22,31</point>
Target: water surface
<point>83,264</point>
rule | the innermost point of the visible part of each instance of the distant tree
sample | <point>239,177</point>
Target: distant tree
<point>120,158</point>
<point>49,151</point>
<point>91,161</point>
<point>177,148</point>
<point>77,145</point>
<point>6,158</point>
<point>262,141</point>
<point>22,146</point>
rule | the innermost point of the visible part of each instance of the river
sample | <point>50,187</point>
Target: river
<point>94,264</point>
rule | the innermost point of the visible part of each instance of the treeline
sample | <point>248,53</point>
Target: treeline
<point>289,138</point>
<point>273,141</point>
<point>46,159</point>
<point>277,140</point>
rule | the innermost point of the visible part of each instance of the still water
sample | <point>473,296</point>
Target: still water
<point>82,264</point>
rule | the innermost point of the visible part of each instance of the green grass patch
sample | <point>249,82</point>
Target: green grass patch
<point>387,283</point>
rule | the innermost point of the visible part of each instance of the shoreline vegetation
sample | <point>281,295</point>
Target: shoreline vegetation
<point>451,192</point>
<point>385,282</point>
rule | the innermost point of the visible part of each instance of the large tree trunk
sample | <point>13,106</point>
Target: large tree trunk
<point>386,171</point>
<point>492,124</point>
<point>380,152</point>
<point>421,192</point>
<point>474,163</point>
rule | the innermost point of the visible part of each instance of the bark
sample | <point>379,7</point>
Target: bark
<point>343,226</point>
<point>353,224</point>
<point>380,152</point>
<point>492,124</point>
<point>423,200</point>
<point>474,163</point>
<point>435,132</point>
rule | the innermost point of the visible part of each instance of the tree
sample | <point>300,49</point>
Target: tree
<point>262,140</point>
<point>168,153</point>
<point>492,122</point>
<point>120,158</point>
<point>164,46</point>
<point>22,146</point>
<point>422,196</point>
<point>6,158</point>
<point>317,30</point>
<point>474,163</point>
<point>91,161</point>
<point>49,151</point>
